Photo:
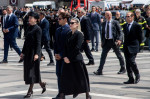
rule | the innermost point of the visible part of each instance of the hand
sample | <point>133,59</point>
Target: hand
<point>21,56</point>
<point>146,26</point>
<point>66,60</point>
<point>6,30</point>
<point>118,42</point>
<point>57,57</point>
<point>36,57</point>
<point>87,41</point>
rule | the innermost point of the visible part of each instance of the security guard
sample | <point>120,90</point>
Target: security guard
<point>141,20</point>
<point>121,22</point>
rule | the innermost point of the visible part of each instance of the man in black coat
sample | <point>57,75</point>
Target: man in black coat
<point>111,38</point>
<point>133,38</point>
<point>44,24</point>
<point>86,29</point>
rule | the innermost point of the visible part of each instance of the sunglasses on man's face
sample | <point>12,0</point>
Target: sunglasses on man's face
<point>79,12</point>
<point>128,16</point>
<point>60,18</point>
<point>71,23</point>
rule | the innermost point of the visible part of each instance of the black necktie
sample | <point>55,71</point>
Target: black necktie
<point>107,34</point>
<point>128,28</point>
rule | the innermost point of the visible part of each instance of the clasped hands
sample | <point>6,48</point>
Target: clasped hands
<point>5,30</point>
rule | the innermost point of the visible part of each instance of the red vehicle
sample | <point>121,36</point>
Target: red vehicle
<point>81,3</point>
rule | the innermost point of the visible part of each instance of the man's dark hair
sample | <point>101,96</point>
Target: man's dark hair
<point>33,14</point>
<point>64,15</point>
<point>42,13</point>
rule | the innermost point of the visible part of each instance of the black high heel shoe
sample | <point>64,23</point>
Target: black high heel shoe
<point>89,97</point>
<point>29,95</point>
<point>75,95</point>
<point>42,58</point>
<point>44,87</point>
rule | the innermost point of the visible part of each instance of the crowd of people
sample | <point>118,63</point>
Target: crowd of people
<point>68,33</point>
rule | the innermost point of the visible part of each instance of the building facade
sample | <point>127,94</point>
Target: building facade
<point>19,3</point>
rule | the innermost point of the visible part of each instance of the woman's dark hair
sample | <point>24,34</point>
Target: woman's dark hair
<point>33,14</point>
<point>64,15</point>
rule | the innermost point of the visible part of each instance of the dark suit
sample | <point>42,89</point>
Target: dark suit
<point>131,47</point>
<point>2,22</point>
<point>86,29</point>
<point>10,38</point>
<point>60,38</point>
<point>44,24</point>
<point>107,44</point>
<point>95,19</point>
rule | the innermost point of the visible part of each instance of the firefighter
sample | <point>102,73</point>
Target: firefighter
<point>121,22</point>
<point>141,20</point>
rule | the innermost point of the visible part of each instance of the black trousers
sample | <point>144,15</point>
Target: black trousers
<point>106,48</point>
<point>131,65</point>
<point>87,51</point>
<point>47,47</point>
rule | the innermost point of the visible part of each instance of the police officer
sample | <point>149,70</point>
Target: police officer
<point>140,20</point>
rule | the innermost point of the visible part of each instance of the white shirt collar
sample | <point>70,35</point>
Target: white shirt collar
<point>42,19</point>
<point>81,17</point>
<point>9,14</point>
<point>131,23</point>
<point>109,21</point>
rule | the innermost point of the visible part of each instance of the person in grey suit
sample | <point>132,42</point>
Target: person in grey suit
<point>133,38</point>
<point>95,19</point>
<point>111,38</point>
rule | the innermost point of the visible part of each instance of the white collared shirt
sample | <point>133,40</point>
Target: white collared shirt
<point>9,15</point>
<point>42,19</point>
<point>110,30</point>
<point>81,18</point>
<point>130,25</point>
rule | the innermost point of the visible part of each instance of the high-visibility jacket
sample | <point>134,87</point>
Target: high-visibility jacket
<point>141,20</point>
<point>121,21</point>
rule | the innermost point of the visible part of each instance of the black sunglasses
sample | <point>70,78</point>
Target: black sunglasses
<point>72,23</point>
<point>128,16</point>
<point>60,18</point>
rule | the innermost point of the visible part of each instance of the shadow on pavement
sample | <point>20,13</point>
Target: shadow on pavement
<point>107,83</point>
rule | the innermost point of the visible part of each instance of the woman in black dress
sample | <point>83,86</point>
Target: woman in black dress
<point>31,54</point>
<point>74,79</point>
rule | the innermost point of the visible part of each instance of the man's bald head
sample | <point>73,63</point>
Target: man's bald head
<point>117,14</point>
<point>108,15</point>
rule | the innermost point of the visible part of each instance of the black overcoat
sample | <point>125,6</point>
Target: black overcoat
<point>74,79</point>
<point>32,46</point>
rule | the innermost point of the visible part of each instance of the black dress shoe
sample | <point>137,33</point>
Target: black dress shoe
<point>96,50</point>
<point>129,82</point>
<point>122,71</point>
<point>21,60</point>
<point>92,50</point>
<point>3,61</point>
<point>90,63</point>
<point>50,64</point>
<point>98,73</point>
<point>75,95</point>
<point>137,79</point>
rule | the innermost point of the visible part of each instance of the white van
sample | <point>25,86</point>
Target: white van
<point>139,3</point>
<point>44,4</point>
<point>30,5</point>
